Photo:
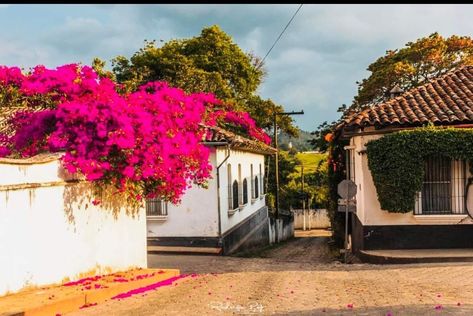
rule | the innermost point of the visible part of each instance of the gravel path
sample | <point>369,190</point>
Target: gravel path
<point>300,278</point>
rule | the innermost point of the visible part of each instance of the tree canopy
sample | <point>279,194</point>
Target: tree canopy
<point>210,62</point>
<point>412,65</point>
<point>408,67</point>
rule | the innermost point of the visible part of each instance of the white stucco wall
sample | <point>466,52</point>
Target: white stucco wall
<point>311,219</point>
<point>50,231</point>
<point>369,211</point>
<point>245,159</point>
<point>195,216</point>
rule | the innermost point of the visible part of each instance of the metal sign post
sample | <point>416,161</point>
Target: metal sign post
<point>347,190</point>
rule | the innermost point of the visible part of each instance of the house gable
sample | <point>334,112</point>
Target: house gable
<point>446,100</point>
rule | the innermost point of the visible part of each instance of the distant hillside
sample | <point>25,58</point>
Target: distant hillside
<point>300,143</point>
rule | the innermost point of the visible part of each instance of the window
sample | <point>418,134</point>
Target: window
<point>252,184</point>
<point>156,207</point>
<point>263,188</point>
<point>229,181</point>
<point>240,191</point>
<point>256,187</point>
<point>350,161</point>
<point>235,203</point>
<point>443,187</point>
<point>245,191</point>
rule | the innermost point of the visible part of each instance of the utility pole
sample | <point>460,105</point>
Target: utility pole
<point>276,213</point>
<point>276,163</point>
<point>302,193</point>
<point>303,196</point>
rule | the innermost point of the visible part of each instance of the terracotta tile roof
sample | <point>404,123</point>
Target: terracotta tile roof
<point>217,134</point>
<point>445,100</point>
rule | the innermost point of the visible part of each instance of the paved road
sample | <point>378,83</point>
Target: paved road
<point>301,278</point>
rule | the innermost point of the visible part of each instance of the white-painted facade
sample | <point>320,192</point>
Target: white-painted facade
<point>198,213</point>
<point>368,208</point>
<point>50,232</point>
<point>195,216</point>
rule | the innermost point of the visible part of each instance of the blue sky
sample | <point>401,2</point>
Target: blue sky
<point>313,67</point>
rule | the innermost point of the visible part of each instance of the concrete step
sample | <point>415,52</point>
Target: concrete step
<point>416,255</point>
<point>185,250</point>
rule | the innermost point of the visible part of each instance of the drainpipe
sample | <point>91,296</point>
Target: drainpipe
<point>218,188</point>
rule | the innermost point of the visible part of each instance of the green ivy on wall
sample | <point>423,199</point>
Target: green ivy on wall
<point>397,160</point>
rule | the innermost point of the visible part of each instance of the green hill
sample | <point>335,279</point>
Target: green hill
<point>310,160</point>
<point>300,143</point>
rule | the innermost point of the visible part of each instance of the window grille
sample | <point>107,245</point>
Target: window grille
<point>156,207</point>
<point>443,187</point>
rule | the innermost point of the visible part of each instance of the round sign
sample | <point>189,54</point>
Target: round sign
<point>346,189</point>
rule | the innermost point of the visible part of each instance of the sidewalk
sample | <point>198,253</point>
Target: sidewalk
<point>416,255</point>
<point>72,296</point>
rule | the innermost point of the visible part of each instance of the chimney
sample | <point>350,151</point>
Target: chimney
<point>396,91</point>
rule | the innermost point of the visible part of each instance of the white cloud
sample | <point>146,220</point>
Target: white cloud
<point>314,66</point>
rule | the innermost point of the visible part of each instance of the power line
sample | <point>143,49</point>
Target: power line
<point>274,44</point>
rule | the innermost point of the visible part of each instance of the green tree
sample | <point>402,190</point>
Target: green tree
<point>411,66</point>
<point>287,167</point>
<point>317,185</point>
<point>210,62</point>
<point>99,66</point>
<point>407,67</point>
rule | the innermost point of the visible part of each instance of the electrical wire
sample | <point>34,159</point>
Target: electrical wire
<point>274,44</point>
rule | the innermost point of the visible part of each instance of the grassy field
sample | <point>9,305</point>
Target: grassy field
<point>309,160</point>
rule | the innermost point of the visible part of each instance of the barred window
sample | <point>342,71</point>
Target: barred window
<point>442,188</point>
<point>235,195</point>
<point>256,187</point>
<point>251,182</point>
<point>245,191</point>
<point>240,190</point>
<point>229,179</point>
<point>156,207</point>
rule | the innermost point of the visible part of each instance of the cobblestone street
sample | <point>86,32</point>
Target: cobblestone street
<point>300,278</point>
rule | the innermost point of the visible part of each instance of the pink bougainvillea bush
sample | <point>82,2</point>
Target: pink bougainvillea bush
<point>145,143</point>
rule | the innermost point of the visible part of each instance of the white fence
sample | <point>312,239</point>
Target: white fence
<point>311,219</point>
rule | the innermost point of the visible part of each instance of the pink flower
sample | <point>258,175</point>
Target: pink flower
<point>147,143</point>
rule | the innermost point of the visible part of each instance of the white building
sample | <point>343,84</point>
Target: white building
<point>228,216</point>
<point>440,217</point>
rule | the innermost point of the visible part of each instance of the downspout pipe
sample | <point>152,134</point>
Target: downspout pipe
<point>218,189</point>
